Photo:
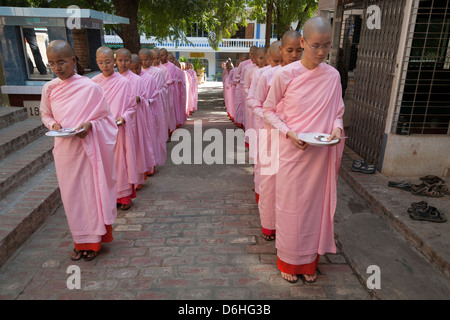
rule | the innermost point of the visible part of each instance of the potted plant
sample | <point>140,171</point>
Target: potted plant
<point>199,68</point>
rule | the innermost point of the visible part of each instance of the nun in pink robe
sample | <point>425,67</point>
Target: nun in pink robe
<point>247,81</point>
<point>194,89</point>
<point>183,94</point>
<point>145,158</point>
<point>150,86</point>
<point>175,91</point>
<point>122,104</point>
<point>264,174</point>
<point>229,93</point>
<point>238,108</point>
<point>85,168</point>
<point>252,125</point>
<point>306,181</point>
<point>159,101</point>
<point>189,96</point>
<point>171,120</point>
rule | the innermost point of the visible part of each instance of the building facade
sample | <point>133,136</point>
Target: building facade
<point>251,35</point>
<point>397,57</point>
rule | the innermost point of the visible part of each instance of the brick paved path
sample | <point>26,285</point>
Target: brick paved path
<point>193,233</point>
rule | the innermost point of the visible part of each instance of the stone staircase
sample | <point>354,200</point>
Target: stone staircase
<point>29,191</point>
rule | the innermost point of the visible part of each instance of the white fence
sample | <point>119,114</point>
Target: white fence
<point>197,44</point>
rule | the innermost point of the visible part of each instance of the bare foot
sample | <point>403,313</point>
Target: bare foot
<point>310,278</point>
<point>292,278</point>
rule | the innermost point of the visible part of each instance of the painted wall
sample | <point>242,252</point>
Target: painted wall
<point>416,155</point>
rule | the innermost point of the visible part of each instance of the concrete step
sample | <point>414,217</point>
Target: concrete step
<point>430,239</point>
<point>11,115</point>
<point>18,135</point>
<point>18,166</point>
<point>25,208</point>
<point>29,191</point>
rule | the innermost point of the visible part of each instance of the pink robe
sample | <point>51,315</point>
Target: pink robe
<point>239,117</point>
<point>194,89</point>
<point>183,94</point>
<point>175,91</point>
<point>122,104</point>
<point>145,159</point>
<point>229,94</point>
<point>159,100</point>
<point>248,80</point>
<point>252,125</point>
<point>85,168</point>
<point>225,75</point>
<point>264,174</point>
<point>150,86</point>
<point>306,181</point>
<point>171,120</point>
<point>245,81</point>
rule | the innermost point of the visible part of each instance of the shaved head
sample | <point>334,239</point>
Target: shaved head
<point>104,50</point>
<point>289,35</point>
<point>319,25</point>
<point>274,48</point>
<point>123,52</point>
<point>60,47</point>
<point>135,58</point>
<point>145,52</point>
<point>156,52</point>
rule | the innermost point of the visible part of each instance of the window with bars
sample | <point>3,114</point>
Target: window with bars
<point>424,95</point>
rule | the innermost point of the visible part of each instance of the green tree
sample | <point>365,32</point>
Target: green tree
<point>282,13</point>
<point>161,18</point>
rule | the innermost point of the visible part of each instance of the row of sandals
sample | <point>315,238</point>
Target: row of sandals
<point>430,186</point>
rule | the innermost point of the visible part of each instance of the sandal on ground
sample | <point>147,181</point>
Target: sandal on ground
<point>430,179</point>
<point>422,205</point>
<point>430,214</point>
<point>78,255</point>
<point>403,185</point>
<point>363,167</point>
<point>90,255</point>
<point>311,276</point>
<point>268,237</point>
<point>356,165</point>
<point>443,189</point>
<point>125,207</point>
<point>426,190</point>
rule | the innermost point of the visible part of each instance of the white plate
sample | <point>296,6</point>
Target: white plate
<point>310,138</point>
<point>64,133</point>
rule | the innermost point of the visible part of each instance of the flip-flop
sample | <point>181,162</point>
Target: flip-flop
<point>291,281</point>
<point>268,237</point>
<point>90,255</point>
<point>125,207</point>
<point>81,253</point>
<point>309,281</point>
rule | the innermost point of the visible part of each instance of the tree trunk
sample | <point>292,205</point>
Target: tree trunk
<point>129,34</point>
<point>269,22</point>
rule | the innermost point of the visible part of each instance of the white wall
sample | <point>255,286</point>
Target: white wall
<point>417,155</point>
